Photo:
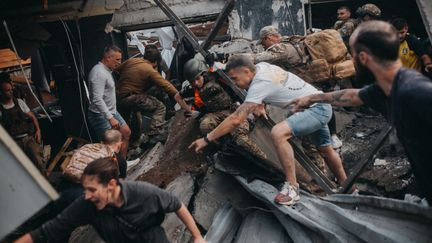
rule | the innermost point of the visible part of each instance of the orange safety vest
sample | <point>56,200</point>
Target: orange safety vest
<point>198,102</point>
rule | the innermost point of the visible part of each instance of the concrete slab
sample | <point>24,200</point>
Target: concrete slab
<point>183,188</point>
<point>217,188</point>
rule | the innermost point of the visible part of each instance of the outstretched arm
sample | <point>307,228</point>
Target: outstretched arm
<point>185,216</point>
<point>230,123</point>
<point>346,97</point>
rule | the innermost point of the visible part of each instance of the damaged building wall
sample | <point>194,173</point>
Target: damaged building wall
<point>135,15</point>
<point>246,20</point>
<point>249,16</point>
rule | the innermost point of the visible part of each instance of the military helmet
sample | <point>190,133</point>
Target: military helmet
<point>193,68</point>
<point>369,9</point>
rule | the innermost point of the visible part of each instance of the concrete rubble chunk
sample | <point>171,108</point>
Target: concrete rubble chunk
<point>183,188</point>
<point>260,226</point>
<point>218,188</point>
<point>225,224</point>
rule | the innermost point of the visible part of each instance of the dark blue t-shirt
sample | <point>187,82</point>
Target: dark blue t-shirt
<point>409,109</point>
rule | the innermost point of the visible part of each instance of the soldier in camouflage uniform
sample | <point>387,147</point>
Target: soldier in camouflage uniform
<point>368,12</point>
<point>214,103</point>
<point>345,25</point>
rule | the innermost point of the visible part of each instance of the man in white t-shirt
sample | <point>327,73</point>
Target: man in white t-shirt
<point>270,84</point>
<point>21,124</point>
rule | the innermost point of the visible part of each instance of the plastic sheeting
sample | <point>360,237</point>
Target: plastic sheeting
<point>166,39</point>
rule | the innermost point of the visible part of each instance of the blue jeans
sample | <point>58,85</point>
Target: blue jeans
<point>100,124</point>
<point>312,122</point>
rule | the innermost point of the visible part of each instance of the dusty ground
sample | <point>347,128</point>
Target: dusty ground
<point>176,158</point>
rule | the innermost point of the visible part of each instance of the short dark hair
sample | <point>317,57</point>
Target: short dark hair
<point>399,23</point>
<point>152,55</point>
<point>238,61</point>
<point>345,7</point>
<point>151,46</point>
<point>110,48</point>
<point>377,38</point>
<point>104,169</point>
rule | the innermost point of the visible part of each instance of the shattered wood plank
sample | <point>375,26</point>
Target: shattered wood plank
<point>59,156</point>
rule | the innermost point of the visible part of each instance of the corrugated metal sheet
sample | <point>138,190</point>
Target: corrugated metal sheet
<point>347,218</point>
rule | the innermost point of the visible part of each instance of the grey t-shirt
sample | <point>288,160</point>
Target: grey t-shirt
<point>138,220</point>
<point>102,91</point>
<point>275,86</point>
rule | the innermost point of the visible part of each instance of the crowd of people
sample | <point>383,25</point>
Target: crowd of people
<point>383,53</point>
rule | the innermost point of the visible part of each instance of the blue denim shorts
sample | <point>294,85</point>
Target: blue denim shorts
<point>100,124</point>
<point>312,122</point>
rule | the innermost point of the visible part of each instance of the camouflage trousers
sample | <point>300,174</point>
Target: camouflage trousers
<point>240,135</point>
<point>32,149</point>
<point>146,104</point>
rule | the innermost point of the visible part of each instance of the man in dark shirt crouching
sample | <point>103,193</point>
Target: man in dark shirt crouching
<point>120,211</point>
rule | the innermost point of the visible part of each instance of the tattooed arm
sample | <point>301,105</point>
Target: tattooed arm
<point>346,97</point>
<point>230,123</point>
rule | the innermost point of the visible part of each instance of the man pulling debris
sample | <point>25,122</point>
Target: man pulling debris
<point>21,124</point>
<point>214,103</point>
<point>269,84</point>
<point>402,95</point>
<point>137,76</point>
<point>121,211</point>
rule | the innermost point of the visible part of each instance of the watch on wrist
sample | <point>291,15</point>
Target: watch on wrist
<point>206,139</point>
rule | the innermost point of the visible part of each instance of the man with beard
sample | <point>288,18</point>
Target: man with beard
<point>21,124</point>
<point>270,84</point>
<point>402,95</point>
<point>120,211</point>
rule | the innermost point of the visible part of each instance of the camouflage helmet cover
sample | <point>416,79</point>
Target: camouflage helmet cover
<point>193,68</point>
<point>369,9</point>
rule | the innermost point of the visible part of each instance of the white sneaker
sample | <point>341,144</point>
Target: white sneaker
<point>132,163</point>
<point>336,142</point>
<point>288,195</point>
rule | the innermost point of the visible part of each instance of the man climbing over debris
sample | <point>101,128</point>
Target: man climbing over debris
<point>102,112</point>
<point>120,211</point>
<point>402,95</point>
<point>137,76</point>
<point>21,124</point>
<point>281,52</point>
<point>269,84</point>
<point>213,104</point>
